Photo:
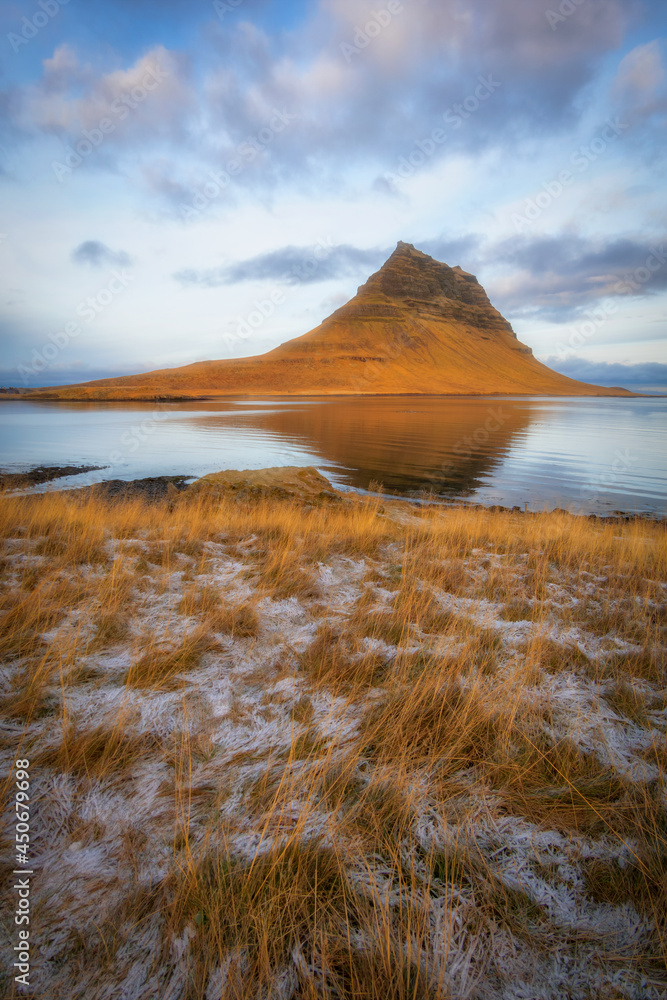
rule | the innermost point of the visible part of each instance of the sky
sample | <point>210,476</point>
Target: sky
<point>189,181</point>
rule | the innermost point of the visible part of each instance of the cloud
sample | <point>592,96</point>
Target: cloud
<point>294,265</point>
<point>325,262</point>
<point>559,276</point>
<point>64,374</point>
<point>640,86</point>
<point>647,374</point>
<point>370,107</point>
<point>334,166</point>
<point>134,107</point>
<point>554,277</point>
<point>405,79</point>
<point>462,250</point>
<point>402,79</point>
<point>97,254</point>
<point>64,70</point>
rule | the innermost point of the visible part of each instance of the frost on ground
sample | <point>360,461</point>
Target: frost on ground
<point>358,751</point>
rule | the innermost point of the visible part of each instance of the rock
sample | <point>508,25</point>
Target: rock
<point>304,485</point>
<point>42,474</point>
<point>152,490</point>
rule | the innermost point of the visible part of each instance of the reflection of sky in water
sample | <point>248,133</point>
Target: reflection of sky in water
<point>595,453</point>
<point>587,455</point>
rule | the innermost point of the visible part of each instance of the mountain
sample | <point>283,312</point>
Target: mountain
<point>416,326</point>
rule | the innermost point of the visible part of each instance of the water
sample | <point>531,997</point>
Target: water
<point>586,455</point>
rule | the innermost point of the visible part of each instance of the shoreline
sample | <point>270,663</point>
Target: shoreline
<point>157,488</point>
<point>31,394</point>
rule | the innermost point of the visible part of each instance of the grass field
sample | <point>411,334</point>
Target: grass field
<point>362,750</point>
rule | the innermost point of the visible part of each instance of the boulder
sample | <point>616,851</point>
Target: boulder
<point>291,483</point>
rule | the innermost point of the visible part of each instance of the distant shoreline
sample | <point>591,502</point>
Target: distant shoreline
<point>28,396</point>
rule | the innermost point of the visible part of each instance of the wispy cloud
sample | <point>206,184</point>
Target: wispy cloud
<point>97,254</point>
<point>559,276</point>
<point>288,264</point>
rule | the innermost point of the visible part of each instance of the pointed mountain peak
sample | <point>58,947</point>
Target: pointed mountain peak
<point>407,251</point>
<point>412,280</point>
<point>411,274</point>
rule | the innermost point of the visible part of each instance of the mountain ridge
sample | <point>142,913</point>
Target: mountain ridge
<point>416,326</point>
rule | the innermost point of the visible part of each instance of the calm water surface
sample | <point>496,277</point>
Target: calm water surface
<point>587,455</point>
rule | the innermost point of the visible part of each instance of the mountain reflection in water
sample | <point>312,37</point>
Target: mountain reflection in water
<point>406,444</point>
<point>590,455</point>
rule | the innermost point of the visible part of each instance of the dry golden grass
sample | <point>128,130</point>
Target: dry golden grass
<point>283,572</point>
<point>161,667</point>
<point>111,627</point>
<point>412,610</point>
<point>294,903</point>
<point>336,661</point>
<point>29,696</point>
<point>425,698</point>
<point>26,619</point>
<point>99,752</point>
<point>634,551</point>
<point>220,614</point>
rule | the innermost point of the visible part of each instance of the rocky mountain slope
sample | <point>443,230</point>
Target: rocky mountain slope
<point>416,326</point>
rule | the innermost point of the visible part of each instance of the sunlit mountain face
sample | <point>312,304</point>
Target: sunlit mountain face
<point>416,326</point>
